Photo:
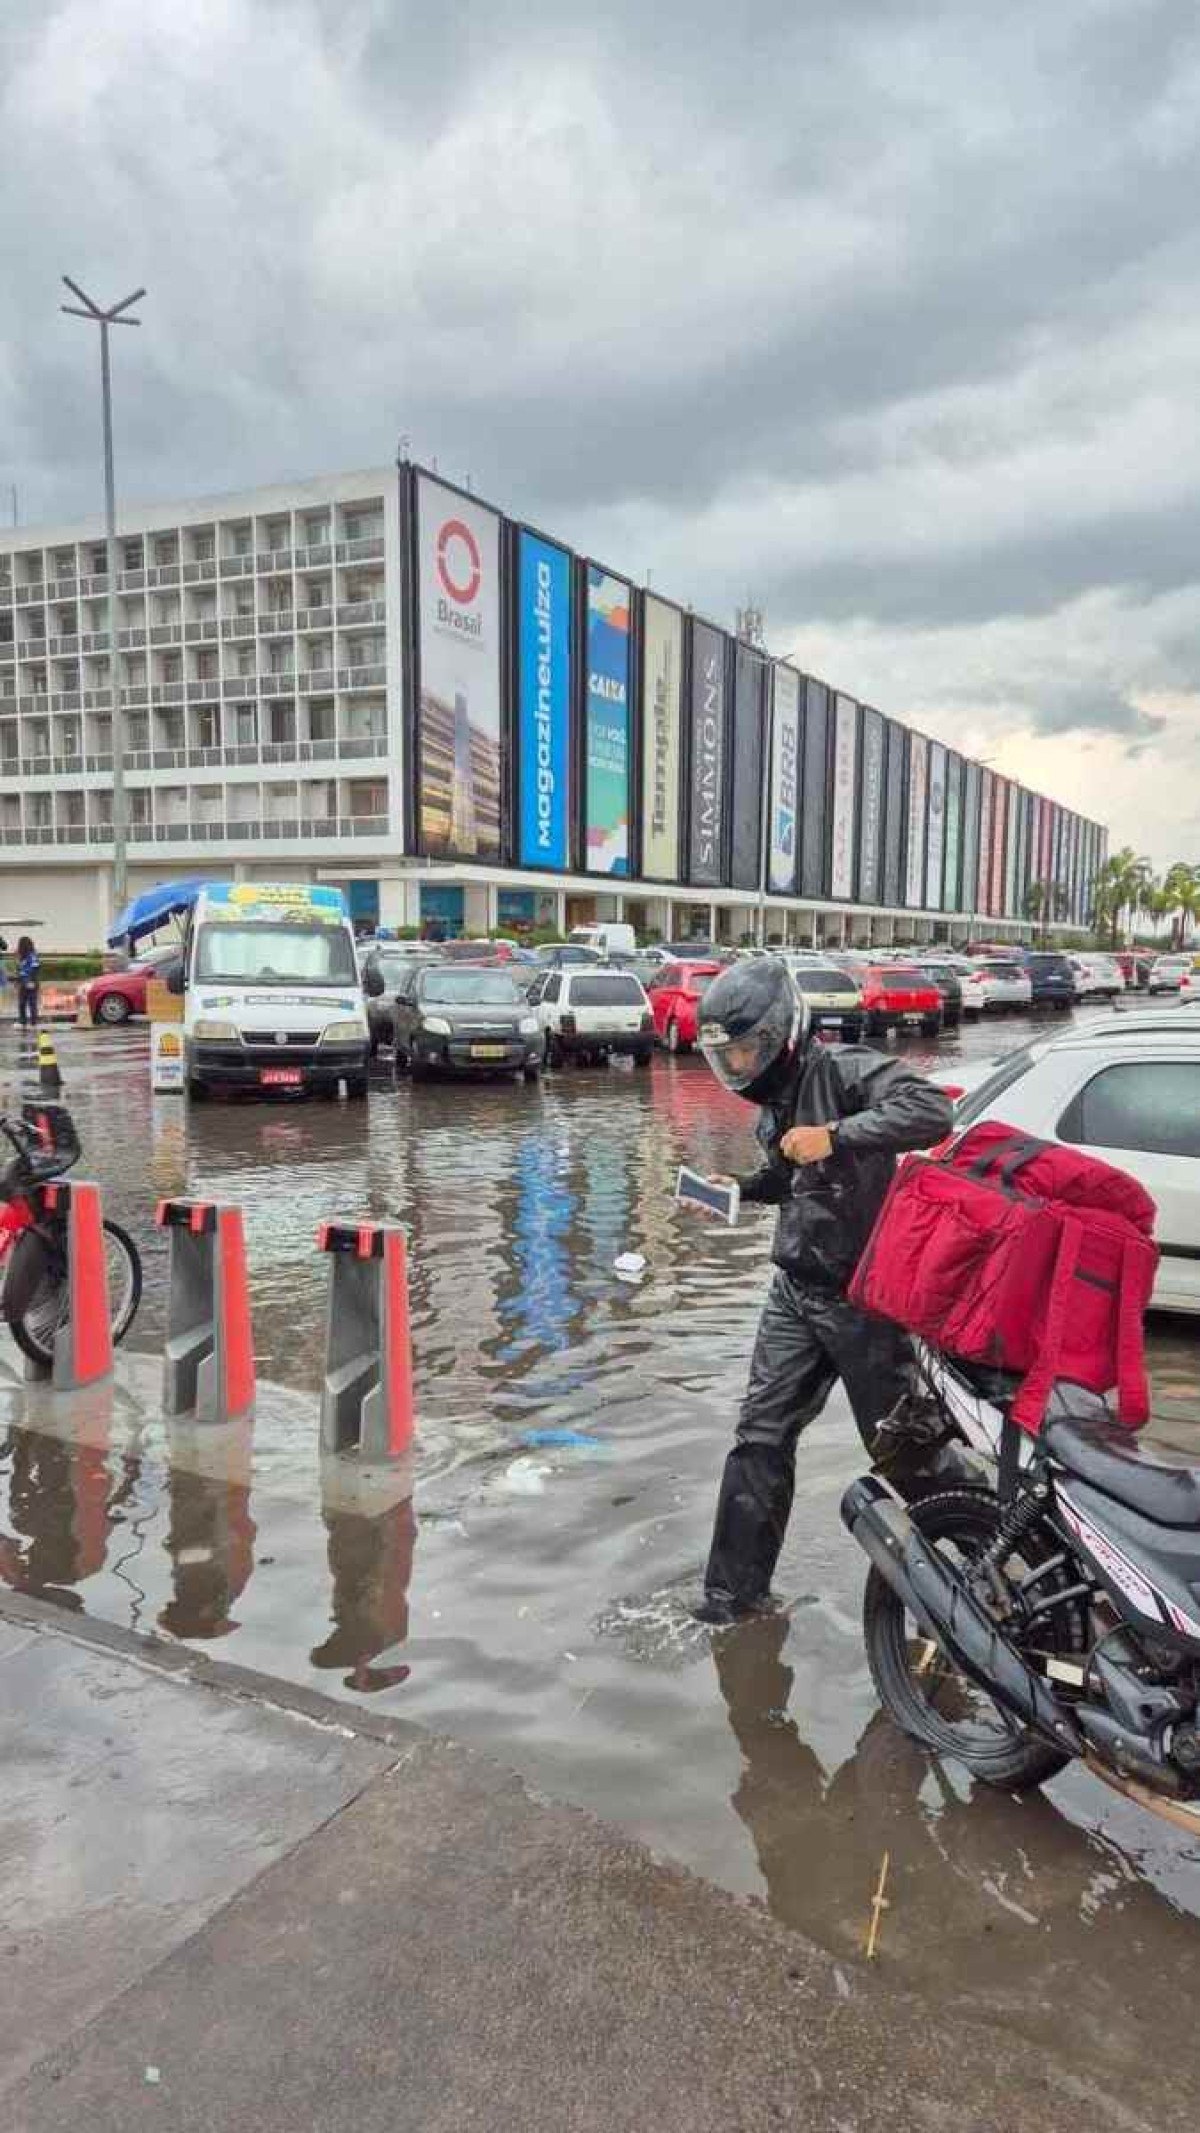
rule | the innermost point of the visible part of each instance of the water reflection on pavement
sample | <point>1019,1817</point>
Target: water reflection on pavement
<point>571,1431</point>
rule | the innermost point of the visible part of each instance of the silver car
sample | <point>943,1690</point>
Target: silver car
<point>1003,984</point>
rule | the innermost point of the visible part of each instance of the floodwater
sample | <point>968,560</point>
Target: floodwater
<point>572,1427</point>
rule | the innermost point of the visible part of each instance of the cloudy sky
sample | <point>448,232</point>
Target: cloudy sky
<point>886,314</point>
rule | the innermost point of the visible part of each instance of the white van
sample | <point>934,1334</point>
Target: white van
<point>610,937</point>
<point>272,997</point>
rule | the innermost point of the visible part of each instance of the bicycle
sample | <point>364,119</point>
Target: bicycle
<point>36,1298</point>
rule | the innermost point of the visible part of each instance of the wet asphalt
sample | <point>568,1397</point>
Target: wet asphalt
<point>572,1428</point>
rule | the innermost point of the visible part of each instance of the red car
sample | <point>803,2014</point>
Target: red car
<point>895,996</point>
<point>675,995</point>
<point>117,994</point>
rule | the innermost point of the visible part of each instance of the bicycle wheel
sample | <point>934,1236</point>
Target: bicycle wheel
<point>37,1296</point>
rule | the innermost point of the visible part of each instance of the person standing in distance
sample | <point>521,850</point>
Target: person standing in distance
<point>28,968</point>
<point>832,1122</point>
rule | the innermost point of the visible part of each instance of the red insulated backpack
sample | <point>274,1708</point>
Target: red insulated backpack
<point>1023,1255</point>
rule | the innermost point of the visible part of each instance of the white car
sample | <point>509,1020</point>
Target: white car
<point>996,985</point>
<point>1097,977</point>
<point>1189,987</point>
<point>591,1013</point>
<point>1127,1089</point>
<point>1167,972</point>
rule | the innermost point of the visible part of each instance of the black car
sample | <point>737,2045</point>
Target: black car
<point>1051,977</point>
<point>948,983</point>
<point>464,1020</point>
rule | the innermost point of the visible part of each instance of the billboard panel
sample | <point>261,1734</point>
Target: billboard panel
<point>983,885</point>
<point>999,826</point>
<point>1011,849</point>
<point>968,895</point>
<point>457,768</point>
<point>935,843</point>
<point>706,814</point>
<point>745,810</point>
<point>952,870</point>
<point>918,794</point>
<point>785,775</point>
<point>662,713</point>
<point>870,828</point>
<point>606,790</point>
<point>543,702</point>
<point>814,807</point>
<point>845,775</point>
<point>895,820</point>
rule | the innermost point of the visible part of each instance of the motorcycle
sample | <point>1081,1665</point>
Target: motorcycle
<point>1049,1612</point>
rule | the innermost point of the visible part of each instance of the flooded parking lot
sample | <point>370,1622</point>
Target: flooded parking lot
<point>572,1427</point>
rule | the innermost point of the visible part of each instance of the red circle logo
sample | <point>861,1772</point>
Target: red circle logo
<point>459,564</point>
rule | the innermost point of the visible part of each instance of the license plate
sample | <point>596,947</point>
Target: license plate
<point>912,1018</point>
<point>281,1077</point>
<point>487,1051</point>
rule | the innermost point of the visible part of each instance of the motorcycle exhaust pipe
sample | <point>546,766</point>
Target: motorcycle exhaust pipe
<point>934,1592</point>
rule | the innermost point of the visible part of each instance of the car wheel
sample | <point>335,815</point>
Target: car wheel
<point>930,1025</point>
<point>530,1073</point>
<point>356,1088</point>
<point>418,1069</point>
<point>555,1056</point>
<point>675,1041</point>
<point>113,1008</point>
<point>642,1059</point>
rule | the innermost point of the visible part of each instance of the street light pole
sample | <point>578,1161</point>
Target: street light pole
<point>113,316</point>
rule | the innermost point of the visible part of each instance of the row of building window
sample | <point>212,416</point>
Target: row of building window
<point>272,534</point>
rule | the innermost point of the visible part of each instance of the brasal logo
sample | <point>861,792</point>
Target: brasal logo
<point>459,564</point>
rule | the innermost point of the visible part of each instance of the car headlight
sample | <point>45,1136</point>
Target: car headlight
<point>351,1031</point>
<point>528,1026</point>
<point>215,1032</point>
<point>435,1026</point>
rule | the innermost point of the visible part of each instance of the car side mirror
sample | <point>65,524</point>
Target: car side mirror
<point>373,984</point>
<point>173,977</point>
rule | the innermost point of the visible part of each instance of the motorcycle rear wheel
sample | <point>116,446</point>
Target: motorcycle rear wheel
<point>924,1692</point>
<point>43,1289</point>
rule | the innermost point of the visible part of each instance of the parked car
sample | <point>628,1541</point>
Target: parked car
<point>1167,972</point>
<point>1051,979</point>
<point>592,1013</point>
<point>117,994</point>
<point>394,961</point>
<point>949,983</point>
<point>1126,1088</point>
<point>564,955</point>
<point>1134,968</point>
<point>896,996</point>
<point>1189,986</point>
<point>464,1018</point>
<point>675,994</point>
<point>834,997</point>
<point>1002,983</point>
<point>1097,977</point>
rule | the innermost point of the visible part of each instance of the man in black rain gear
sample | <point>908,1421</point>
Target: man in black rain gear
<point>833,1121</point>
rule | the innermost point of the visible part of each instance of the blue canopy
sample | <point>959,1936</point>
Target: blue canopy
<point>146,913</point>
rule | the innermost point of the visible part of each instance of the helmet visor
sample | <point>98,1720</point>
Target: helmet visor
<point>741,1061</point>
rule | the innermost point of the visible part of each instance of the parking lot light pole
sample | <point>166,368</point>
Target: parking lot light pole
<point>114,316</point>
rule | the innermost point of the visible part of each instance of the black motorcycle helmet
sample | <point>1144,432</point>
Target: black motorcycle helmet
<point>753,1026</point>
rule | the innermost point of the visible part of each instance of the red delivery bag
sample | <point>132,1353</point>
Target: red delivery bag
<point>1024,1255</point>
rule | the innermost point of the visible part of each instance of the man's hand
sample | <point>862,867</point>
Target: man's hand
<point>806,1144</point>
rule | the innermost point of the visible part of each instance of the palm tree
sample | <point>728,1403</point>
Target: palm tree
<point>1036,905</point>
<point>1121,886</point>
<point>1182,886</point>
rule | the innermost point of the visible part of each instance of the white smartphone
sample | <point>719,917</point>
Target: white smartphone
<point>723,1201</point>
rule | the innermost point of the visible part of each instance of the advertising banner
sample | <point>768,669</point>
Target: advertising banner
<point>870,830</point>
<point>745,841</point>
<point>918,794</point>
<point>895,819</point>
<point>814,802</point>
<point>845,777</point>
<point>952,869</point>
<point>935,846</point>
<point>785,770</point>
<point>706,840</point>
<point>1033,859</point>
<point>662,712</point>
<point>968,894</point>
<point>983,887</point>
<point>606,725</point>
<point>1046,852</point>
<point>459,696</point>
<point>543,702</point>
<point>1012,849</point>
<point>999,831</point>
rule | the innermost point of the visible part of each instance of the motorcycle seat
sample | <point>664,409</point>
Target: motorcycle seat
<point>1107,1456</point>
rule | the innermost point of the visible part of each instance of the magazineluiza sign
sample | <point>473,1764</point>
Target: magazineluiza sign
<point>785,761</point>
<point>662,704</point>
<point>918,779</point>
<point>606,794</point>
<point>544,701</point>
<point>458,702</point>
<point>845,767</point>
<point>706,841</point>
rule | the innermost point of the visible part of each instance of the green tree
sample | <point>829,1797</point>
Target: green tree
<point>1122,887</point>
<point>1182,888</point>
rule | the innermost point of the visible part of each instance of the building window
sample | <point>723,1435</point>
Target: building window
<point>281,725</point>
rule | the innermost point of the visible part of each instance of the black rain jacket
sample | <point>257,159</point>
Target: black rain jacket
<point>827,1210</point>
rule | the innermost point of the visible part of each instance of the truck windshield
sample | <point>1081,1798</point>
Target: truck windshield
<point>247,951</point>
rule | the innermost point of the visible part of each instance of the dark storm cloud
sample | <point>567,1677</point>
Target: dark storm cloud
<point>888,315</point>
